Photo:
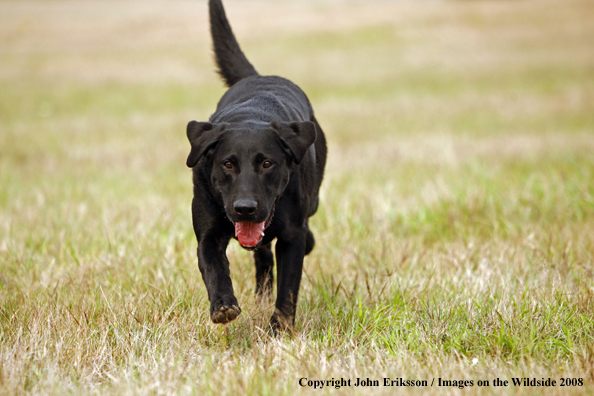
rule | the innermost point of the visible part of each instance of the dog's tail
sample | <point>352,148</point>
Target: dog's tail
<point>231,62</point>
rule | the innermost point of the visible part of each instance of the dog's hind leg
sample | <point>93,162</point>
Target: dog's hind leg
<point>310,242</point>
<point>264,276</point>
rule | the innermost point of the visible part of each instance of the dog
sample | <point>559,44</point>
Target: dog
<point>257,166</point>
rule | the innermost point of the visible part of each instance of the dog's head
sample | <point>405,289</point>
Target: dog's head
<point>251,165</point>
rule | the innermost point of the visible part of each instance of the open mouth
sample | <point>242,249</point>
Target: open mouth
<point>250,234</point>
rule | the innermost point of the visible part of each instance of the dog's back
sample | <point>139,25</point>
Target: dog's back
<point>251,97</point>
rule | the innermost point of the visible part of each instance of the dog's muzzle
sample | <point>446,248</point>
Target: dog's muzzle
<point>250,234</point>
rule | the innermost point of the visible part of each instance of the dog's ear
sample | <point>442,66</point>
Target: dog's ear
<point>202,137</point>
<point>297,137</point>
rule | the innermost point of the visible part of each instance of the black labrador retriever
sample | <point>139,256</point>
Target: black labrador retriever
<point>257,168</point>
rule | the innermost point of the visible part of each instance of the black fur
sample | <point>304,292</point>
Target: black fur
<point>260,159</point>
<point>232,63</point>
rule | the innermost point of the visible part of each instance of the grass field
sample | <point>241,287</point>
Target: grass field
<point>455,238</point>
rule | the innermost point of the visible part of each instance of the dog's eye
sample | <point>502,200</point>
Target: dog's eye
<point>228,164</point>
<point>266,164</point>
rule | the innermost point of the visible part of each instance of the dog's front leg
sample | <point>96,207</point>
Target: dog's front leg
<point>214,266</point>
<point>289,259</point>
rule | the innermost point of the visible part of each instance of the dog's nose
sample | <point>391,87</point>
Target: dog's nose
<point>245,207</point>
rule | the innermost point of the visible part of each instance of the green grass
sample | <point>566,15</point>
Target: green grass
<point>455,238</point>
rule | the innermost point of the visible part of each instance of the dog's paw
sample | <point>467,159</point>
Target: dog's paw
<point>225,310</point>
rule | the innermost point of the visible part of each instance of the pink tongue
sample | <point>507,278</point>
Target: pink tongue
<point>249,234</point>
